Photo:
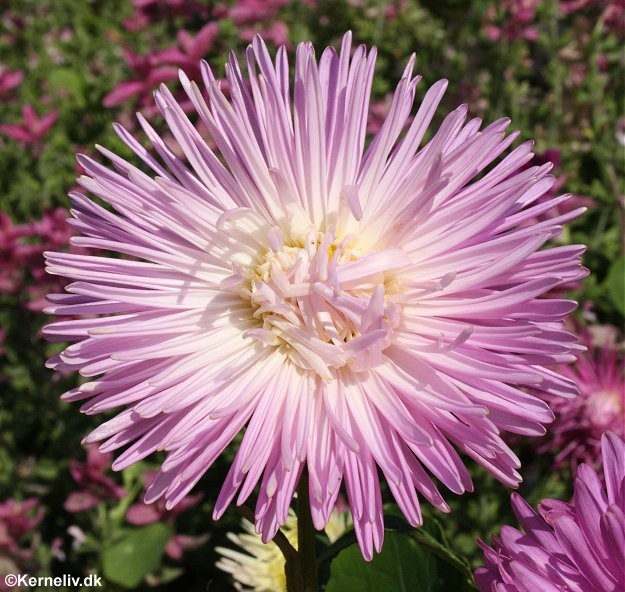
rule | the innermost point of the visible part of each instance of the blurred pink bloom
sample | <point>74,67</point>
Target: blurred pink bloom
<point>32,129</point>
<point>378,112</point>
<point>18,521</point>
<point>576,432</point>
<point>191,49</point>
<point>357,309</point>
<point>95,486</point>
<point>161,66</point>
<point>611,13</point>
<point>277,33</point>
<point>179,543</point>
<point>56,549</point>
<point>10,269</point>
<point>570,6</point>
<point>394,9</point>
<point>141,514</point>
<point>613,16</point>
<point>9,80</point>
<point>249,12</point>
<point>149,73</point>
<point>50,231</point>
<point>566,547</point>
<point>21,254</point>
<point>256,17</point>
<point>518,18</point>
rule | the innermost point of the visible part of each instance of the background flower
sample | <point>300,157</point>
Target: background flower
<point>95,486</point>
<point>18,536</point>
<point>569,546</point>
<point>576,433</point>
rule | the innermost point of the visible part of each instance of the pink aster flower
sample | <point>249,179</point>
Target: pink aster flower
<point>576,433</point>
<point>566,547</point>
<point>351,308</point>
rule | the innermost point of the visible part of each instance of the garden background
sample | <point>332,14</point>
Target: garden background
<point>69,69</point>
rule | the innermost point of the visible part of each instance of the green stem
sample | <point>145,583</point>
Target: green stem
<point>292,567</point>
<point>306,539</point>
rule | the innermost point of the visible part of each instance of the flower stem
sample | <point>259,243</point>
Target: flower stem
<point>292,569</point>
<point>306,540</point>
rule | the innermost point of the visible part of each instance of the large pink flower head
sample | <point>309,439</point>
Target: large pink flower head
<point>348,307</point>
<point>569,547</point>
<point>579,423</point>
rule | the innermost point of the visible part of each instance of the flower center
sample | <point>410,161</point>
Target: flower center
<point>604,408</point>
<point>319,299</point>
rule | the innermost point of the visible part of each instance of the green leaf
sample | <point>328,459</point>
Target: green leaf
<point>402,566</point>
<point>615,283</point>
<point>138,552</point>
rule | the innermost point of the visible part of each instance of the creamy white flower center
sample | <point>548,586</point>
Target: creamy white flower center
<point>318,298</point>
<point>604,408</point>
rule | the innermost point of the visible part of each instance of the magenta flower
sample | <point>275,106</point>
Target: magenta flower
<point>610,13</point>
<point>516,20</point>
<point>576,547</point>
<point>95,486</point>
<point>351,308</point>
<point>33,128</point>
<point>256,17</point>
<point>576,433</point>
<point>191,49</point>
<point>21,255</point>
<point>246,12</point>
<point>148,72</point>
<point>9,79</point>
<point>18,536</point>
<point>17,520</point>
<point>277,33</point>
